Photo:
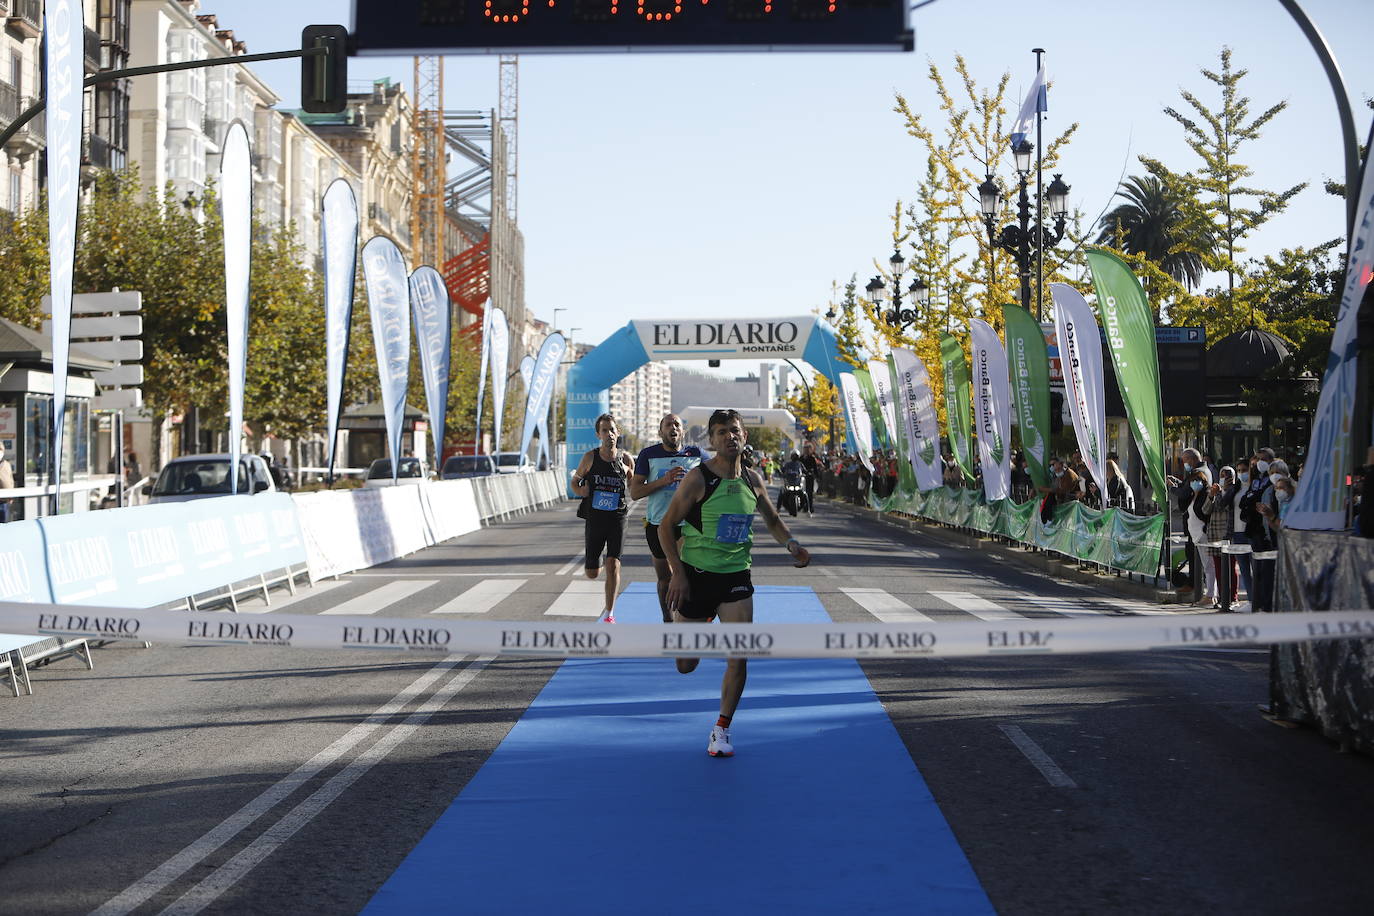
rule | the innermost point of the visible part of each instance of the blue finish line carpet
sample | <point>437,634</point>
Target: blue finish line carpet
<point>602,798</point>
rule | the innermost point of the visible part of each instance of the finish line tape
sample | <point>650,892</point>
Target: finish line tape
<point>1042,636</point>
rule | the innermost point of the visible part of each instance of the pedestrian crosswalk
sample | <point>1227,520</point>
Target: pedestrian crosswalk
<point>585,598</point>
<point>481,598</point>
<point>887,608</point>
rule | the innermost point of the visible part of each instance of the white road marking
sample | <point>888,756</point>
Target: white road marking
<point>229,874</point>
<point>381,598</point>
<point>251,605</point>
<point>481,598</point>
<point>1069,607</point>
<point>581,598</point>
<point>1038,758</point>
<point>446,575</point>
<point>886,607</point>
<point>571,566</point>
<point>156,880</point>
<point>981,608</point>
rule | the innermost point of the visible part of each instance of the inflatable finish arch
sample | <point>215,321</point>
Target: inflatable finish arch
<point>639,342</point>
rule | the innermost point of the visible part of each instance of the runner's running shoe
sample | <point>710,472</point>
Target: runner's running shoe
<point>720,745</point>
<point>609,618</point>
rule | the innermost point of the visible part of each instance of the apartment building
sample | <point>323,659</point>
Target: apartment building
<point>105,134</point>
<point>372,135</point>
<point>640,400</point>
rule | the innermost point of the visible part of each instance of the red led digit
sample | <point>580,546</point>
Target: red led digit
<point>503,11</point>
<point>658,10</point>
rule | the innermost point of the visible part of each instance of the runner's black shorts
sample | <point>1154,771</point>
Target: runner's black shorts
<point>605,531</point>
<point>651,536</point>
<point>709,590</point>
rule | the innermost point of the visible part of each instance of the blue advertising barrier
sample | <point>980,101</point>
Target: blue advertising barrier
<point>149,555</point>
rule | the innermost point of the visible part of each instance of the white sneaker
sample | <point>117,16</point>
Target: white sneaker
<point>1241,607</point>
<point>720,745</point>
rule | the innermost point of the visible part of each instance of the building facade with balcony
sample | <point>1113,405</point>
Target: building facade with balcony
<point>178,121</point>
<point>372,135</point>
<point>106,112</point>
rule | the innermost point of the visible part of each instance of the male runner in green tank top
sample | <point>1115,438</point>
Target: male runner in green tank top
<point>716,502</point>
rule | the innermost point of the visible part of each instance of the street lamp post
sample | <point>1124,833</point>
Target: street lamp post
<point>1022,240</point>
<point>919,292</point>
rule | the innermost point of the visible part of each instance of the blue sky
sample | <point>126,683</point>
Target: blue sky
<point>708,185</point>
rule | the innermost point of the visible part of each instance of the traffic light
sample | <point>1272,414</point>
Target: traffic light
<point>324,77</point>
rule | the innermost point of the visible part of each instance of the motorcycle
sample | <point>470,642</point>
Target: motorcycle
<point>792,497</point>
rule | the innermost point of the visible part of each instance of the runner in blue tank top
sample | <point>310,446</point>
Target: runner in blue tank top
<point>658,471</point>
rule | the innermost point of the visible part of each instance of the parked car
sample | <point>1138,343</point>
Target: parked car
<point>513,463</point>
<point>198,476</point>
<point>409,471</point>
<point>456,466</point>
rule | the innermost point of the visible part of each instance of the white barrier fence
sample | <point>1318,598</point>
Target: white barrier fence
<point>952,639</point>
<point>145,556</point>
<point>345,530</point>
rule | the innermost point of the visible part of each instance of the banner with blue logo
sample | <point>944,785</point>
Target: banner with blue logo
<point>236,188</point>
<point>541,386</point>
<point>388,298</point>
<point>339,228</point>
<point>63,35</point>
<point>432,311</point>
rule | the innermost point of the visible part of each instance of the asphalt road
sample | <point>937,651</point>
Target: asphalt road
<point>238,780</point>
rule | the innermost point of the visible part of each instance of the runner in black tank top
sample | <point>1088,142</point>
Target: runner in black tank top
<point>600,479</point>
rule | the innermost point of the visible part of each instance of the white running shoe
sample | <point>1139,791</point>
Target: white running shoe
<point>720,745</point>
<point>1241,607</point>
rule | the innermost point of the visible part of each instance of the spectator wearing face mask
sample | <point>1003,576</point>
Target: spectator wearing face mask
<point>1239,534</point>
<point>1204,574</point>
<point>1181,497</point>
<point>1268,506</point>
<point>1219,506</point>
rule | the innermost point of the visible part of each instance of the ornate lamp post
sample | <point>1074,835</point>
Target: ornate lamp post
<point>919,292</point>
<point>1024,241</point>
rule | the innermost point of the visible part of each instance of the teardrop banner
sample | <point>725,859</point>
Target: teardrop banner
<point>957,404</point>
<point>882,391</point>
<point>388,299</point>
<point>992,409</point>
<point>63,36</point>
<point>432,312</point>
<point>541,386</point>
<point>919,420</point>
<point>1029,372</point>
<point>236,201</point>
<point>1080,350</point>
<point>856,416</point>
<point>339,228</point>
<point>500,350</point>
<point>482,376</point>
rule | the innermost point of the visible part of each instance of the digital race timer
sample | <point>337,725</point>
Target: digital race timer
<point>531,26</point>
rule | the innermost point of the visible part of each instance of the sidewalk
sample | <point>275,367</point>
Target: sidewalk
<point>1038,560</point>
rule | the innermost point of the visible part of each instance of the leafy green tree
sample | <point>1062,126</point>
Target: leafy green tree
<point>1217,136</point>
<point>173,252</point>
<point>1161,222</point>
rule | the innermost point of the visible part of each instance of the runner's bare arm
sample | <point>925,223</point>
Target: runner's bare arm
<point>641,486</point>
<point>692,488</point>
<point>579,478</point>
<point>776,526</point>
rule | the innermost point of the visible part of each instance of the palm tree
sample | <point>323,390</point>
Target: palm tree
<point>1156,223</point>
